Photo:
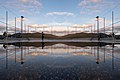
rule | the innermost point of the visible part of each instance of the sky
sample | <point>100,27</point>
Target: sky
<point>60,13</point>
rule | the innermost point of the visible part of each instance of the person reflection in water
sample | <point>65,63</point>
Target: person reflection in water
<point>97,61</point>
<point>42,45</point>
<point>4,46</point>
<point>22,62</point>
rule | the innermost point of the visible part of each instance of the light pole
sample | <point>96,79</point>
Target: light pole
<point>104,25</point>
<point>113,25</point>
<point>98,27</point>
<point>94,28</point>
<point>6,34</point>
<point>68,29</point>
<point>91,28</point>
<point>25,30</point>
<point>28,28</point>
<point>22,25</point>
<point>15,25</point>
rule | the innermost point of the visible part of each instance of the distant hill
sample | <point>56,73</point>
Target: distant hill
<point>33,35</point>
<point>50,36</point>
<point>84,35</point>
<point>40,44</point>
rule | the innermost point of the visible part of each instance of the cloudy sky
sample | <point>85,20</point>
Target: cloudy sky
<point>59,13</point>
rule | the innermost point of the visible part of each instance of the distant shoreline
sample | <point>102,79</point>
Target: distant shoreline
<point>103,40</point>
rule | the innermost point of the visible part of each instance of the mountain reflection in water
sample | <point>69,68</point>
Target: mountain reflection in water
<point>59,61</point>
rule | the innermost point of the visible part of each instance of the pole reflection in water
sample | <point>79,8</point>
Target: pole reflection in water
<point>51,51</point>
<point>94,51</point>
<point>5,46</point>
<point>28,50</point>
<point>25,51</point>
<point>22,59</point>
<point>104,54</point>
<point>97,60</point>
<point>15,54</point>
<point>6,57</point>
<point>113,56</point>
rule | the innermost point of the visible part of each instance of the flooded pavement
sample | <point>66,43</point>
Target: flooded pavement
<point>59,61</point>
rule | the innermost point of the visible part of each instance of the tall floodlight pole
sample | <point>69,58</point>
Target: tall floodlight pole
<point>15,25</point>
<point>6,26</point>
<point>22,25</point>
<point>91,29</point>
<point>94,28</point>
<point>51,29</point>
<point>25,28</point>
<point>113,25</point>
<point>104,24</point>
<point>98,27</point>
<point>28,28</point>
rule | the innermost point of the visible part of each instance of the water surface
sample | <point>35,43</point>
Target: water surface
<point>60,61</point>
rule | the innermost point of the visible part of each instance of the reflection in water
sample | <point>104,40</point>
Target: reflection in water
<point>104,54</point>
<point>112,56</point>
<point>15,54</point>
<point>6,57</point>
<point>60,61</point>
<point>22,60</point>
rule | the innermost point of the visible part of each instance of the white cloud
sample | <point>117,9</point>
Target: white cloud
<point>60,14</point>
<point>24,0</point>
<point>37,25</point>
<point>82,26</point>
<point>94,6</point>
<point>87,2</point>
<point>60,24</point>
<point>24,6</point>
<point>95,1</point>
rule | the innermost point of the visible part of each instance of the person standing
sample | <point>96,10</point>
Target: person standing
<point>42,37</point>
